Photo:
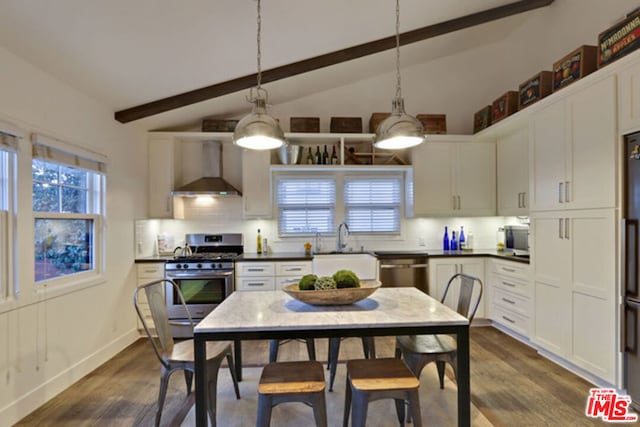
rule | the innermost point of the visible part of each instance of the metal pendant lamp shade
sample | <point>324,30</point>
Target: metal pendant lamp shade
<point>399,130</point>
<point>258,130</point>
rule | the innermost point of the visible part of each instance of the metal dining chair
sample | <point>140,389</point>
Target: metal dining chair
<point>176,356</point>
<point>419,350</point>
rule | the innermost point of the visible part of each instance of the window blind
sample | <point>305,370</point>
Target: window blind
<point>8,142</point>
<point>305,205</point>
<point>52,150</point>
<point>373,205</point>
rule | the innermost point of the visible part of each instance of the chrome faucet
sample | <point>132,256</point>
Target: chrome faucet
<point>318,243</point>
<point>341,245</point>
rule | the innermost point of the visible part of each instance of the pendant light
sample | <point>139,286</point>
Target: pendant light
<point>258,130</point>
<point>399,130</point>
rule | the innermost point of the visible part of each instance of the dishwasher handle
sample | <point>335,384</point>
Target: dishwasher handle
<point>404,265</point>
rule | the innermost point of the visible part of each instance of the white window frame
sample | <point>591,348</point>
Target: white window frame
<point>96,200</point>
<point>340,210</point>
<point>8,178</point>
<point>399,206</point>
<point>331,205</point>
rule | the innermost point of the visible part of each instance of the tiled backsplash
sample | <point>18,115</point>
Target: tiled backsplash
<point>224,215</point>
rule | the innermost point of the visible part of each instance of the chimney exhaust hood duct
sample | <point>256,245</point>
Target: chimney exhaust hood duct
<point>213,185</point>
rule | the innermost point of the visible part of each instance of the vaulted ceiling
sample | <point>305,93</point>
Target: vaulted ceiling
<point>128,53</point>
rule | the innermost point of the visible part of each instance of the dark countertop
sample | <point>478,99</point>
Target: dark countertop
<point>297,256</point>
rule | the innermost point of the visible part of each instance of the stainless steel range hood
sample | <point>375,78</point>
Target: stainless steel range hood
<point>213,185</point>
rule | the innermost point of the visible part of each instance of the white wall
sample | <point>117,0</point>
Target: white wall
<point>464,82</point>
<point>49,341</point>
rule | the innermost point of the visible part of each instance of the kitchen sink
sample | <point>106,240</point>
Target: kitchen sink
<point>364,264</point>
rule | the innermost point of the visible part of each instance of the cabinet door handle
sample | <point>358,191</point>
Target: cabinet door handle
<point>169,204</point>
<point>255,269</point>
<point>508,320</point>
<point>459,207</point>
<point>293,269</point>
<point>454,202</point>
<point>255,284</point>
<point>566,228</point>
<point>510,270</point>
<point>511,285</point>
<point>560,233</point>
<point>560,184</point>
<point>524,199</point>
<point>508,300</point>
<point>567,191</point>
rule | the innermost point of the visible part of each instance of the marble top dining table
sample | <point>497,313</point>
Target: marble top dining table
<point>276,315</point>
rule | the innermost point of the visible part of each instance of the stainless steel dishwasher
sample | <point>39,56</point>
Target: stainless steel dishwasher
<point>404,269</point>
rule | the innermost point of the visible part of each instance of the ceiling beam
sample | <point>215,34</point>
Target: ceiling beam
<point>325,60</point>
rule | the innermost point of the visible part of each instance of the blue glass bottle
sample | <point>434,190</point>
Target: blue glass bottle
<point>454,242</point>
<point>445,241</point>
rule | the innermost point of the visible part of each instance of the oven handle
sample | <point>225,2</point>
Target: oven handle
<point>404,265</point>
<point>180,323</point>
<point>191,275</point>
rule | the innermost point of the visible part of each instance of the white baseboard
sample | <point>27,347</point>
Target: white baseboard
<point>36,397</point>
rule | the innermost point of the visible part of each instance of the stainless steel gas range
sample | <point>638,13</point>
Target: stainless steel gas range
<point>205,278</point>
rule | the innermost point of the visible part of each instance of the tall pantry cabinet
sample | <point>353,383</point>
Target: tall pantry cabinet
<point>573,234</point>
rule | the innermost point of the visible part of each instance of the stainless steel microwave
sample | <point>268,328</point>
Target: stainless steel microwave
<point>516,237</point>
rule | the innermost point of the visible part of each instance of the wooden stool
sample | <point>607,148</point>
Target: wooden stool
<point>374,379</point>
<point>292,382</point>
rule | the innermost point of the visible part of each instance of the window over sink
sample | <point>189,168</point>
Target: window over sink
<point>307,204</point>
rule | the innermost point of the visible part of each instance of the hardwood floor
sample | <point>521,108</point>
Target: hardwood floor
<point>510,383</point>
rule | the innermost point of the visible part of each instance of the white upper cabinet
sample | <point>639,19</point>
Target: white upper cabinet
<point>513,173</point>
<point>164,172</point>
<point>629,96</point>
<point>454,177</point>
<point>256,184</point>
<point>572,150</point>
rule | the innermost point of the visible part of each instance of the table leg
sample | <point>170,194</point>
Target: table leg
<point>237,352</point>
<point>464,387</point>
<point>200,354</point>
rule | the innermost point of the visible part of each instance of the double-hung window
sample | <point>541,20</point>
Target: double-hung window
<point>373,204</point>
<point>306,205</point>
<point>8,149</point>
<point>68,208</point>
<point>370,204</point>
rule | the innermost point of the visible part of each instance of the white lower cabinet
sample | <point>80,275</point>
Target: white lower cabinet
<point>573,259</point>
<point>269,275</point>
<point>442,269</point>
<point>146,273</point>
<point>509,295</point>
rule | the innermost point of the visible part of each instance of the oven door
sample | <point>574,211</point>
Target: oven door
<point>202,292</point>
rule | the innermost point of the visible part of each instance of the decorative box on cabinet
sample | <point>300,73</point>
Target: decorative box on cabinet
<point>147,272</point>
<point>454,176</point>
<point>442,269</point>
<point>574,275</point>
<point>572,150</point>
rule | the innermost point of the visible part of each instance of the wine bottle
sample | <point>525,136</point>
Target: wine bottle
<point>445,241</point>
<point>334,156</point>
<point>310,157</point>
<point>454,242</point>
<point>462,243</point>
<point>318,155</point>
<point>259,243</point>
<point>325,156</point>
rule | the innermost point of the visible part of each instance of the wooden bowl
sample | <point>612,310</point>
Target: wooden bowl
<point>342,296</point>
